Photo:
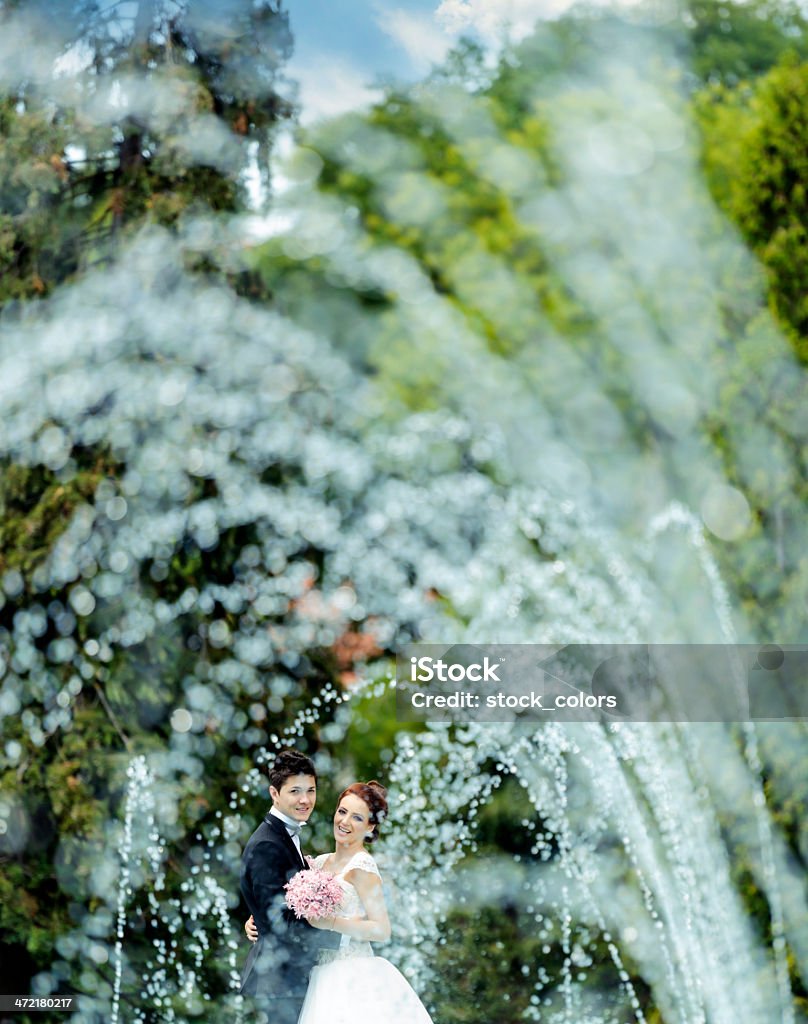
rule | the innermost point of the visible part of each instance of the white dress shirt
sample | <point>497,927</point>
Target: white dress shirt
<point>291,827</point>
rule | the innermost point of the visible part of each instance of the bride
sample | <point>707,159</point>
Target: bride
<point>351,985</point>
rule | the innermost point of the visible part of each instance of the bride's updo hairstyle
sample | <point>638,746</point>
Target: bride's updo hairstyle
<point>374,795</point>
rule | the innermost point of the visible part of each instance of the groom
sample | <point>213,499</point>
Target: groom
<point>277,969</point>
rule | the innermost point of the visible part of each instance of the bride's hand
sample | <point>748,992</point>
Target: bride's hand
<point>331,924</point>
<point>250,929</point>
<point>326,923</point>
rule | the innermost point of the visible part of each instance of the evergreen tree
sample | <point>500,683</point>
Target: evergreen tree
<point>153,108</point>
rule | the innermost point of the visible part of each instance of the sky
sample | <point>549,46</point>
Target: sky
<point>342,47</point>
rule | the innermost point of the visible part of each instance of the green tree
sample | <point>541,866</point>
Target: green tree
<point>754,138</point>
<point>731,42</point>
<point>754,144</point>
<point>769,193</point>
<point>160,108</point>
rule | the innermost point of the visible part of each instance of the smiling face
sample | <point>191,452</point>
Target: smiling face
<point>351,822</point>
<point>296,797</point>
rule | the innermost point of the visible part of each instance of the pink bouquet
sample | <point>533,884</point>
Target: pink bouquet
<point>313,893</point>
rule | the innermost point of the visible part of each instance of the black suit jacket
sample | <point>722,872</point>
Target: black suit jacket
<point>280,961</point>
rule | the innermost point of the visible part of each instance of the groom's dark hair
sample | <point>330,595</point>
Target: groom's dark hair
<point>288,763</point>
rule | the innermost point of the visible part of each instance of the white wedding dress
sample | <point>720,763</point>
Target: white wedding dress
<point>351,985</point>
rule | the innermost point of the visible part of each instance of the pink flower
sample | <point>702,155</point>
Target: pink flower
<point>313,893</point>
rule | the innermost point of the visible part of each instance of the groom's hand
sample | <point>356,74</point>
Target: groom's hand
<point>250,929</point>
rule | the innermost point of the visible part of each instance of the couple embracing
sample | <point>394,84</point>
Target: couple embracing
<point>320,971</point>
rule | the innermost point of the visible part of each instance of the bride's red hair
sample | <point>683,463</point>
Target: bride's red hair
<point>374,796</point>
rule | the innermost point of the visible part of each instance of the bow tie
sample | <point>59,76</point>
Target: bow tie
<point>293,829</point>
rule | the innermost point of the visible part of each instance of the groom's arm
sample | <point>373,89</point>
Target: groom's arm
<point>269,871</point>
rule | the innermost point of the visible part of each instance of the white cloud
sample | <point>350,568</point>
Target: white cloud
<point>329,86</point>
<point>495,19</point>
<point>418,34</point>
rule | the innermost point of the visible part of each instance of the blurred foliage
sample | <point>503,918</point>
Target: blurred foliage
<point>448,206</point>
<point>478,970</point>
<point>34,175</point>
<point>755,146</point>
<point>490,959</point>
<point>451,202</point>
<point>731,43</point>
<point>73,187</point>
<point>371,741</point>
<point>36,506</point>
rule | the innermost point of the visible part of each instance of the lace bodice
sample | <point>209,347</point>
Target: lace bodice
<point>351,905</point>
